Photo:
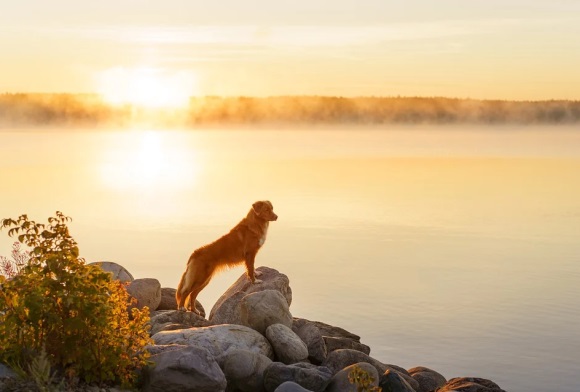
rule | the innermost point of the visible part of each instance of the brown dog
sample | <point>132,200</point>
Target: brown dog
<point>240,245</point>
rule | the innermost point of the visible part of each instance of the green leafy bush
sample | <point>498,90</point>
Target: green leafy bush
<point>73,312</point>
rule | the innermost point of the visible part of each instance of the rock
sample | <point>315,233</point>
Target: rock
<point>6,372</point>
<point>147,291</point>
<point>405,374</point>
<point>158,349</point>
<point>340,381</point>
<point>290,386</point>
<point>310,334</point>
<point>391,381</point>
<point>288,347</point>
<point>470,384</point>
<point>168,301</point>
<point>168,320</point>
<point>188,369</point>
<point>342,358</point>
<point>229,312</point>
<point>336,332</point>
<point>264,308</point>
<point>333,344</point>
<point>117,271</point>
<point>218,339</point>
<point>309,376</point>
<point>244,370</point>
<point>271,280</point>
<point>429,380</point>
<point>339,359</point>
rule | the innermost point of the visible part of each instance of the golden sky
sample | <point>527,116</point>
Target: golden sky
<point>509,49</point>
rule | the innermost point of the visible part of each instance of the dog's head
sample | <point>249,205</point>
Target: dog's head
<point>264,210</point>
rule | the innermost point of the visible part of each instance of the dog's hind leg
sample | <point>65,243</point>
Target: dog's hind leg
<point>194,293</point>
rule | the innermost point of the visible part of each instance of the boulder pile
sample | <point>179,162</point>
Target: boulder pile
<point>250,342</point>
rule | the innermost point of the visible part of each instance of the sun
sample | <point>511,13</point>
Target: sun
<point>147,87</point>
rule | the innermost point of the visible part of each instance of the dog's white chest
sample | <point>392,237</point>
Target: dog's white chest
<point>263,238</point>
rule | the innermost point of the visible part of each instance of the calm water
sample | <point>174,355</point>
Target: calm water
<point>456,249</point>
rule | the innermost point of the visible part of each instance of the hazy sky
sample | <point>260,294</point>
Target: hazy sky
<point>508,49</point>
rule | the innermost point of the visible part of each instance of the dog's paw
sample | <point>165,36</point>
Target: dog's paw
<point>258,273</point>
<point>256,281</point>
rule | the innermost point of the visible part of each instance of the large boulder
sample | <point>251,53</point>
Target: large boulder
<point>288,346</point>
<point>340,382</point>
<point>226,307</point>
<point>429,380</point>
<point>310,334</point>
<point>146,291</point>
<point>218,339</point>
<point>158,349</point>
<point>312,377</point>
<point>261,309</point>
<point>470,384</point>
<point>393,382</point>
<point>188,369</point>
<point>117,271</point>
<point>244,370</point>
<point>170,320</point>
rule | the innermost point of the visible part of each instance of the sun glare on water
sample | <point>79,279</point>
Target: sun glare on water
<point>149,161</point>
<point>147,87</point>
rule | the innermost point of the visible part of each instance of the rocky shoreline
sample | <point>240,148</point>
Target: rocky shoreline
<point>251,342</point>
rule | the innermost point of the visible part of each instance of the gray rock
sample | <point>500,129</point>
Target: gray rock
<point>244,370</point>
<point>218,339</point>
<point>288,346</point>
<point>158,349</point>
<point>336,332</point>
<point>340,381</point>
<point>333,344</point>
<point>391,381</point>
<point>405,374</point>
<point>310,334</point>
<point>168,301</point>
<point>309,376</point>
<point>290,386</point>
<point>167,320</point>
<point>229,312</point>
<point>271,280</point>
<point>147,291</point>
<point>6,372</point>
<point>261,309</point>
<point>339,359</point>
<point>470,384</point>
<point>429,380</point>
<point>188,369</point>
<point>117,271</point>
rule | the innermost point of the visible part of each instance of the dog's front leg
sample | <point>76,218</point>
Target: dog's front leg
<point>250,258</point>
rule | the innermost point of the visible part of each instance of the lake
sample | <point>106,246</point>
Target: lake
<point>455,248</point>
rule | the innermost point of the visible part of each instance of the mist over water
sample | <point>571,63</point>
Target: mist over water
<point>454,248</point>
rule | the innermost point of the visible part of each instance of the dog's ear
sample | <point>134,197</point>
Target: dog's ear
<point>257,207</point>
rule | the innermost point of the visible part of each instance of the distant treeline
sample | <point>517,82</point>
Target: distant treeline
<point>91,110</point>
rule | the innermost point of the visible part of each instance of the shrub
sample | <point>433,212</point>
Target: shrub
<point>9,267</point>
<point>73,312</point>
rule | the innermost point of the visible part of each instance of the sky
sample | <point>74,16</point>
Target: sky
<point>483,49</point>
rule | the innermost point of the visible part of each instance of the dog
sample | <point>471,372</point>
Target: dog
<point>238,246</point>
